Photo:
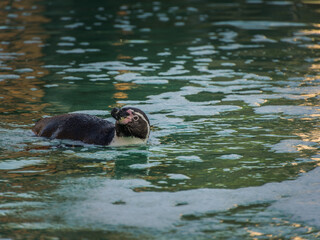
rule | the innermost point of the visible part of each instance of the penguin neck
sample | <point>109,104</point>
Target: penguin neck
<point>122,137</point>
<point>122,141</point>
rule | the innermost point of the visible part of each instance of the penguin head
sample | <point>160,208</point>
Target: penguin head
<point>131,122</point>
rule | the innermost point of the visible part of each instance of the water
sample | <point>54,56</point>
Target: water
<point>231,89</point>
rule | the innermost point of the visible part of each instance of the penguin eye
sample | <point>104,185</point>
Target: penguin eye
<point>135,118</point>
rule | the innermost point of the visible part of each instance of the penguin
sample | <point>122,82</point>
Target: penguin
<point>132,126</point>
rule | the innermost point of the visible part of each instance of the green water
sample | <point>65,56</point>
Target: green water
<point>231,90</point>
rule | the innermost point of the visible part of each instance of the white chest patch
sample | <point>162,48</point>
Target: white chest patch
<point>123,141</point>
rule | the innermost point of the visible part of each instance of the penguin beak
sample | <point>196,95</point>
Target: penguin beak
<point>115,112</point>
<point>120,115</point>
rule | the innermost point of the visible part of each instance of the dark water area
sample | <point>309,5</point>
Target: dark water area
<point>232,92</point>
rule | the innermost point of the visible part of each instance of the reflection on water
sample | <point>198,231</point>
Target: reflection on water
<point>231,89</point>
<point>22,39</point>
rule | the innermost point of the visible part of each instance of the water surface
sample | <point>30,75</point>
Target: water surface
<point>231,89</point>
